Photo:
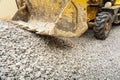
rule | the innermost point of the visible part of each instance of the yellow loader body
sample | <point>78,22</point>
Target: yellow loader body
<point>117,2</point>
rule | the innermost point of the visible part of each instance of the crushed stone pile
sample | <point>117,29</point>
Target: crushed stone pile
<point>27,56</point>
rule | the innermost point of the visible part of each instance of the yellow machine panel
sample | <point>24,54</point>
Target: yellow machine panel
<point>92,11</point>
<point>117,2</point>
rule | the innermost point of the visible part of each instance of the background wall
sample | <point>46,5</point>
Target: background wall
<point>7,8</point>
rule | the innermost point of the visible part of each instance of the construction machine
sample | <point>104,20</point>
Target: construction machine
<point>67,18</point>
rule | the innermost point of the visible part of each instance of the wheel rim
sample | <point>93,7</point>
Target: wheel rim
<point>107,27</point>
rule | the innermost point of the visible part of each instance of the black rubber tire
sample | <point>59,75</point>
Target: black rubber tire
<point>103,24</point>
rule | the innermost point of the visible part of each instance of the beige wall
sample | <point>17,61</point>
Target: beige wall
<point>7,8</point>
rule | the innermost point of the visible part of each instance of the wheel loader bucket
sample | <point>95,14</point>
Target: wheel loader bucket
<point>63,18</point>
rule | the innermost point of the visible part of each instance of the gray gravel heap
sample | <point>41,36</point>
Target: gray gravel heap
<point>28,56</point>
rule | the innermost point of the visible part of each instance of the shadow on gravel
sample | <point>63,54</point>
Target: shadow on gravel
<point>89,34</point>
<point>115,26</point>
<point>54,42</point>
<point>64,43</point>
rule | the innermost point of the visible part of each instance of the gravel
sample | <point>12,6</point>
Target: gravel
<point>28,56</point>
